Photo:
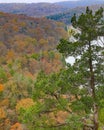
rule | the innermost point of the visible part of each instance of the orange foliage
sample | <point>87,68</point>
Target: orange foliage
<point>24,103</point>
<point>16,126</point>
<point>7,121</point>
<point>10,54</point>
<point>1,87</point>
<point>15,28</point>
<point>2,113</point>
<point>61,116</point>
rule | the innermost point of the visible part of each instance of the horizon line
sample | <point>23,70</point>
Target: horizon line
<point>37,2</point>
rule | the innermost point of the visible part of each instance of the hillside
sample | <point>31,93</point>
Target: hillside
<point>27,46</point>
<point>38,89</point>
<point>24,35</point>
<point>65,17</point>
<point>34,9</point>
<point>38,28</point>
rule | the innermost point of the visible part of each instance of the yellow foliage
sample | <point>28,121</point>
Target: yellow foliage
<point>57,56</point>
<point>10,55</point>
<point>23,24</point>
<point>24,103</point>
<point>4,102</point>
<point>43,41</point>
<point>2,113</point>
<point>57,117</point>
<point>51,119</point>
<point>1,87</point>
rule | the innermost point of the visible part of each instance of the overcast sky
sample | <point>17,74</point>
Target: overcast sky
<point>31,1</point>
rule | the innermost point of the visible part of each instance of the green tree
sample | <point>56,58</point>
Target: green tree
<point>89,59</point>
<point>52,110</point>
<point>76,91</point>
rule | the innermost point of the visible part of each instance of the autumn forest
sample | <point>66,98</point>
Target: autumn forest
<point>39,90</point>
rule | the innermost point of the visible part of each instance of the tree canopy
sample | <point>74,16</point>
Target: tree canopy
<point>89,59</point>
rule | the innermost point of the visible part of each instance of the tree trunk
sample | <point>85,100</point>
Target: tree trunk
<point>92,84</point>
<point>96,123</point>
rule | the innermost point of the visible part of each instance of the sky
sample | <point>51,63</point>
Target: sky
<point>31,1</point>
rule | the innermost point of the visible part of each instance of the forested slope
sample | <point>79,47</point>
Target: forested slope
<point>27,46</point>
<point>38,89</point>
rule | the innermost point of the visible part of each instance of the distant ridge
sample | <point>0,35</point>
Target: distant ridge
<point>73,4</point>
<point>65,17</point>
<point>32,9</point>
<point>44,8</point>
